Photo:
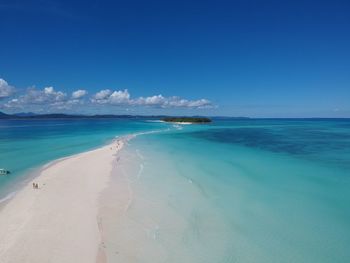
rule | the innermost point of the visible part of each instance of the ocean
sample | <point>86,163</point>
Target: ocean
<point>251,190</point>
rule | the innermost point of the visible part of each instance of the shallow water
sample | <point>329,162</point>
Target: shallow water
<point>241,191</point>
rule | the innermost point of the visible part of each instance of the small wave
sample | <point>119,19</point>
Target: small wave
<point>178,127</point>
<point>158,121</point>
<point>156,232</point>
<point>149,132</point>
<point>139,154</point>
<point>133,135</point>
<point>131,194</point>
<point>153,232</point>
<point>140,171</point>
<point>8,197</point>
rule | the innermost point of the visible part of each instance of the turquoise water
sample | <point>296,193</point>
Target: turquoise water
<point>27,144</point>
<point>246,191</point>
<point>231,191</point>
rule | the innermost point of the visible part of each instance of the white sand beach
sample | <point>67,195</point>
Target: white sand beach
<point>59,221</point>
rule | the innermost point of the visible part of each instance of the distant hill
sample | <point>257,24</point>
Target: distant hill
<point>68,116</point>
<point>25,114</point>
<point>30,115</point>
<point>4,115</point>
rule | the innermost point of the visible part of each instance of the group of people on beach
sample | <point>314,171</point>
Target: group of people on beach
<point>35,186</point>
<point>116,147</point>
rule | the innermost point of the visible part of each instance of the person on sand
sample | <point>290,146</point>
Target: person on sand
<point>33,185</point>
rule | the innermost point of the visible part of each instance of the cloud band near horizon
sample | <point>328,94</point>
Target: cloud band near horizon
<point>49,99</point>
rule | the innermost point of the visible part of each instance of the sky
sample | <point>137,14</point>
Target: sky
<point>250,58</point>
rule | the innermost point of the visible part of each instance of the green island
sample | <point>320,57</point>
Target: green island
<point>187,119</point>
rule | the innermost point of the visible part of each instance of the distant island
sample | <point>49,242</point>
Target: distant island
<point>187,119</point>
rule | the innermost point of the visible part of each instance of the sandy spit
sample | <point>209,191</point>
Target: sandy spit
<point>59,221</point>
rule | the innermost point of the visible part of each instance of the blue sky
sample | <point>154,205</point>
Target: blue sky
<point>233,58</point>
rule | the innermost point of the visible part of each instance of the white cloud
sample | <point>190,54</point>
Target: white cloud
<point>47,95</point>
<point>5,89</point>
<point>13,103</point>
<point>78,94</point>
<point>50,99</point>
<point>119,97</point>
<point>172,102</point>
<point>178,102</point>
<point>102,95</point>
<point>156,100</point>
<point>106,96</point>
<point>124,98</point>
<point>33,96</point>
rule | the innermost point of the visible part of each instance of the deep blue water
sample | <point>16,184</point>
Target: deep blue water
<point>326,140</point>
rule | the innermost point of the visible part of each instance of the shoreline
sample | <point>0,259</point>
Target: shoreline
<point>63,210</point>
<point>177,122</point>
<point>32,172</point>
